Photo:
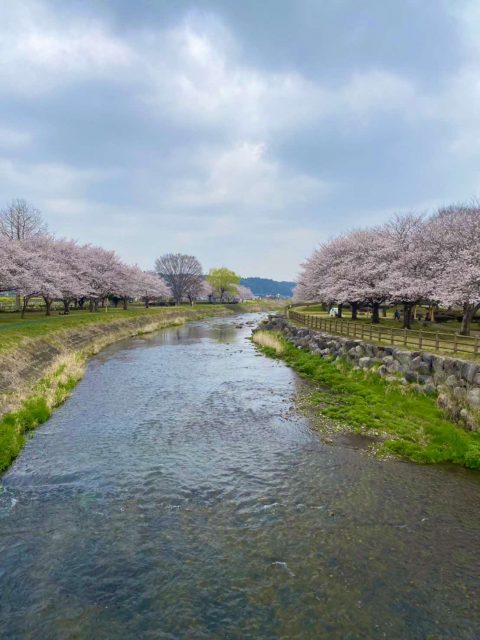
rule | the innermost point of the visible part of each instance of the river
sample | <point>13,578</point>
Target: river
<point>179,493</point>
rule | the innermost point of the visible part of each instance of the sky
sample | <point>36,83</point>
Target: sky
<point>244,132</point>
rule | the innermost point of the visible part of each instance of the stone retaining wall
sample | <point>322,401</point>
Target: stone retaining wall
<point>455,381</point>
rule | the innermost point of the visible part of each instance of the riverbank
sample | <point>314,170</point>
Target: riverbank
<point>42,359</point>
<point>405,423</point>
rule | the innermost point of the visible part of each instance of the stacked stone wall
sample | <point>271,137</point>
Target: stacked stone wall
<point>456,382</point>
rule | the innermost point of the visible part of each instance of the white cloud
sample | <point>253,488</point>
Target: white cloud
<point>38,52</point>
<point>244,176</point>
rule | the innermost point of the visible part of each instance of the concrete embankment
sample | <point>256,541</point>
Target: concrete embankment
<point>455,382</point>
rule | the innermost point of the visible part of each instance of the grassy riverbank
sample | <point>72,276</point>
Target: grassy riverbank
<point>14,329</point>
<point>42,359</point>
<point>410,424</point>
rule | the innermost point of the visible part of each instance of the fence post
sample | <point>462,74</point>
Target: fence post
<point>371,330</point>
<point>455,344</point>
<point>420,340</point>
<point>437,341</point>
<point>391,336</point>
<point>475,346</point>
<point>405,337</point>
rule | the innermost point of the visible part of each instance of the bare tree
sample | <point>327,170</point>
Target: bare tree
<point>183,275</point>
<point>20,221</point>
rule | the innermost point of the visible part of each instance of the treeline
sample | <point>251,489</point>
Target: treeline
<point>267,287</point>
<point>410,260</point>
<point>33,263</point>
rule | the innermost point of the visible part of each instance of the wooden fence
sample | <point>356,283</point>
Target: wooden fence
<point>408,338</point>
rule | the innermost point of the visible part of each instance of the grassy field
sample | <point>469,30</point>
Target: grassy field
<point>409,424</point>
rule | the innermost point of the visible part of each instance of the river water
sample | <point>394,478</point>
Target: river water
<point>178,493</point>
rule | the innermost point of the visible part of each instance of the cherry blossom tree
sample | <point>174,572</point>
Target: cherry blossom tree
<point>244,293</point>
<point>73,271</point>
<point>36,271</point>
<point>150,286</point>
<point>103,275</point>
<point>412,265</point>
<point>453,235</point>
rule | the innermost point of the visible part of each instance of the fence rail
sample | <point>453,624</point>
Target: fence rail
<point>408,338</point>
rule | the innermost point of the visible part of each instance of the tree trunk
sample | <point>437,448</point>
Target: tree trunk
<point>407,316</point>
<point>354,310</point>
<point>48,304</point>
<point>384,311</point>
<point>66,306</point>
<point>90,305</point>
<point>340,311</point>
<point>24,306</point>
<point>468,313</point>
<point>147,303</point>
<point>375,314</point>
<point>18,303</point>
<point>125,304</point>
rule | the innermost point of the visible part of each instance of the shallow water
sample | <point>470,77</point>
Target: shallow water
<point>179,494</point>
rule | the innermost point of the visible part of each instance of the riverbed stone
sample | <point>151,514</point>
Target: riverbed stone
<point>404,357</point>
<point>459,393</point>
<point>469,371</point>
<point>437,363</point>
<point>416,362</point>
<point>394,367</point>
<point>451,381</point>
<point>473,397</point>
<point>452,366</point>
<point>443,401</point>
<point>365,362</point>
<point>382,370</point>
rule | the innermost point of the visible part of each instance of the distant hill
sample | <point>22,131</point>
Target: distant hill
<point>267,287</point>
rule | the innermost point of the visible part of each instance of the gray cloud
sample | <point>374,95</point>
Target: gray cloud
<point>243,132</point>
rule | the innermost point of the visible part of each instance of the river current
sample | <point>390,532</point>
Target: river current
<point>179,493</point>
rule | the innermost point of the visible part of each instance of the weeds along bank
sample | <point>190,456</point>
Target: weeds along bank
<point>420,406</point>
<point>39,366</point>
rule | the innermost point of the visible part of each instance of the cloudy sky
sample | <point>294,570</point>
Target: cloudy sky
<point>242,131</point>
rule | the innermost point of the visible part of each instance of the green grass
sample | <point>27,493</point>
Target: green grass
<point>414,426</point>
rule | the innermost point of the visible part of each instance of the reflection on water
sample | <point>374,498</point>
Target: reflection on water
<point>178,494</point>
